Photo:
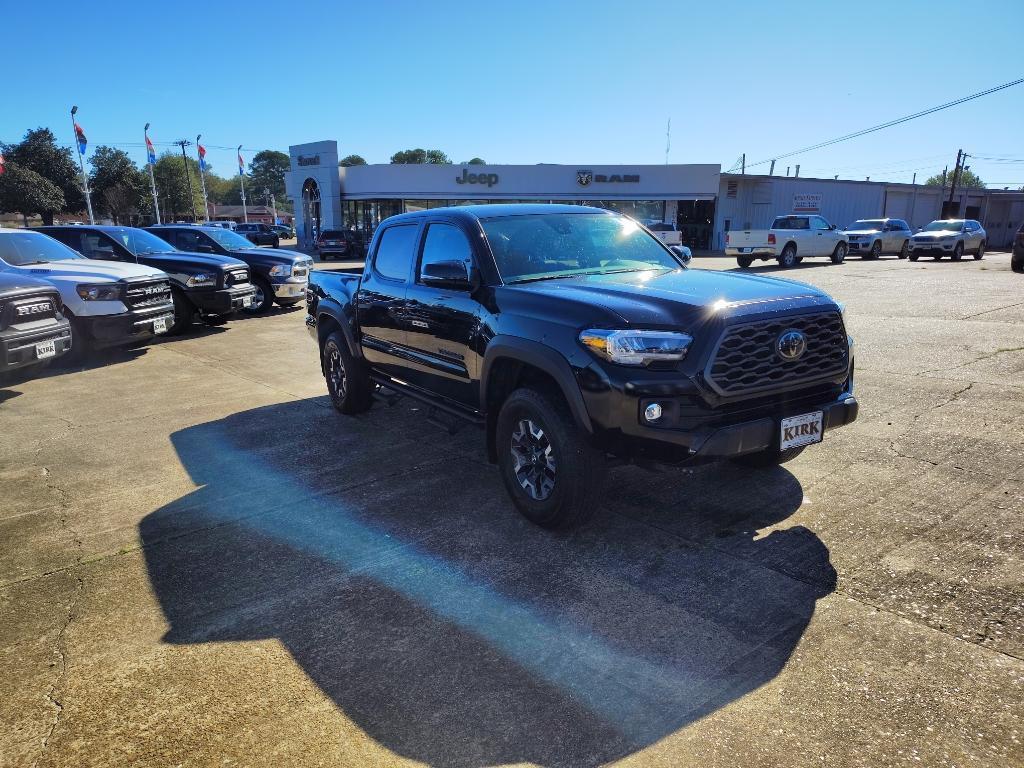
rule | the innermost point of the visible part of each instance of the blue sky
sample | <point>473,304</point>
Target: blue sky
<point>527,82</point>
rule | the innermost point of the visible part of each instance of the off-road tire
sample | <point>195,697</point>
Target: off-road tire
<point>577,468</point>
<point>839,254</point>
<point>787,258</point>
<point>348,379</point>
<point>768,458</point>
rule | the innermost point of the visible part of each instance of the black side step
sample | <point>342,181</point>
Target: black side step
<point>435,407</point>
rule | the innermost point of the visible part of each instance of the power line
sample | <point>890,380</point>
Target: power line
<point>889,124</point>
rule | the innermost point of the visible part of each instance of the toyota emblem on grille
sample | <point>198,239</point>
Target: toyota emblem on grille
<point>791,345</point>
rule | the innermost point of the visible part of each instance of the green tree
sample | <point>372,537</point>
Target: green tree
<point>421,156</point>
<point>172,186</point>
<point>968,178</point>
<point>26,192</point>
<point>266,172</point>
<point>474,161</point>
<point>39,152</point>
<point>350,160</point>
<point>118,186</point>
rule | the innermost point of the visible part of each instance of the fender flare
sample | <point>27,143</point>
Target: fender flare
<point>547,360</point>
<point>340,314</point>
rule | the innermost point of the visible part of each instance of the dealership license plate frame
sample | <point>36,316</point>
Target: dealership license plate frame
<point>803,437</point>
<point>160,325</point>
<point>46,349</point>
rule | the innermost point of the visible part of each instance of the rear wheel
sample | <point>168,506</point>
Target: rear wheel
<point>277,242</point>
<point>788,257</point>
<point>839,254</point>
<point>768,458</point>
<point>958,252</point>
<point>1017,266</point>
<point>550,471</point>
<point>981,252</point>
<point>263,299</point>
<point>348,380</point>
<point>744,261</point>
<point>904,250</point>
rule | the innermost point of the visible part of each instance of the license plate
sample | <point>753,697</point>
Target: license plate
<point>45,349</point>
<point>745,250</point>
<point>247,301</point>
<point>800,430</point>
<point>160,325</point>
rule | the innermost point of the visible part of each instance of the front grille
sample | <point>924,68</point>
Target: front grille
<point>746,360</point>
<point>236,277</point>
<point>26,309</point>
<point>694,412</point>
<point>147,293</point>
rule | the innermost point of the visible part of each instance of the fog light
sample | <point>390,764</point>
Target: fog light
<point>652,412</point>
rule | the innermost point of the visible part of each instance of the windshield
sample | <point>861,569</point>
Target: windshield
<point>23,248</point>
<point>550,245</point>
<point>954,225</point>
<point>228,239</point>
<point>867,224</point>
<point>141,243</point>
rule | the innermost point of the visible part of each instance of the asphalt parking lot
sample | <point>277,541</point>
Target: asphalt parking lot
<point>201,563</point>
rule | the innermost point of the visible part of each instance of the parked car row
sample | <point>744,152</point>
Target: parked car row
<point>66,290</point>
<point>794,237</point>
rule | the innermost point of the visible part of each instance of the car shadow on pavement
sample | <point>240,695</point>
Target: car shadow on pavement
<point>388,561</point>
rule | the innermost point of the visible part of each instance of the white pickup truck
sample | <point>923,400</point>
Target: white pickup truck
<point>790,240</point>
<point>667,233</point>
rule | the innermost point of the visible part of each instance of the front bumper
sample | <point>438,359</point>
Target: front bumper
<point>223,301</point>
<point>111,330</point>
<point>929,249</point>
<point>856,246</point>
<point>290,290</point>
<point>18,346</point>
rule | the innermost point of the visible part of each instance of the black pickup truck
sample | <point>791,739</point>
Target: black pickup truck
<point>575,337</point>
<point>277,275</point>
<point>207,287</point>
<point>33,329</point>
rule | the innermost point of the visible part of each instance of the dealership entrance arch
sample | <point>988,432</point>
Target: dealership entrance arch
<point>310,210</point>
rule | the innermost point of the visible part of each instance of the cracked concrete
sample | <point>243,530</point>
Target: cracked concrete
<point>202,563</point>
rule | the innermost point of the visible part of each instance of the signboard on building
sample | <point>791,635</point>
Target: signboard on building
<point>309,159</point>
<point>804,202</point>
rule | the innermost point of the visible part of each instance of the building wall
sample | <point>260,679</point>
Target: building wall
<point>318,161</point>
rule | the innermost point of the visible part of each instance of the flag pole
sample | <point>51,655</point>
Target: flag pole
<point>202,177</point>
<point>81,164</point>
<point>241,175</point>
<point>151,161</point>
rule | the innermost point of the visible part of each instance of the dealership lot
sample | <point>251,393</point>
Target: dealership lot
<point>203,563</point>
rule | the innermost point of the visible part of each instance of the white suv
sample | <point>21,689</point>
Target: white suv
<point>949,237</point>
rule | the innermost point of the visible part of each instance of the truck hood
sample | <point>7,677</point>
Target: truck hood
<point>15,282</point>
<point>680,297</point>
<point>862,231</point>
<point>173,260</point>
<point>268,255</point>
<point>938,233</point>
<point>86,270</point>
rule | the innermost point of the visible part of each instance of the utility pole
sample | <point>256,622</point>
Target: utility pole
<point>151,161</point>
<point>81,163</point>
<point>743,164</point>
<point>771,170</point>
<point>957,170</point>
<point>184,158</point>
<point>787,170</point>
<point>797,174</point>
<point>269,196</point>
<point>241,179</point>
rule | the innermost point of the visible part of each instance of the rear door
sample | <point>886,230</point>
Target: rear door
<point>380,302</point>
<point>443,321</point>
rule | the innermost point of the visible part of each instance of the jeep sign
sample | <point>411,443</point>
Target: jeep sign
<point>490,179</point>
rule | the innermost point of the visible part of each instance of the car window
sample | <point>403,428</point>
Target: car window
<point>790,222</point>
<point>24,248</point>
<point>97,246</point>
<point>819,223</point>
<point>445,242</point>
<point>395,251</point>
<point>188,240</point>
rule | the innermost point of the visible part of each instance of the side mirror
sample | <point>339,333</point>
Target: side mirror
<point>447,274</point>
<point>832,227</point>
<point>683,252</point>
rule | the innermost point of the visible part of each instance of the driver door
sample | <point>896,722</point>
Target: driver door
<point>824,238</point>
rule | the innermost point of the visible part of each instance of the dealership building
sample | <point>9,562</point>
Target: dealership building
<point>700,200</point>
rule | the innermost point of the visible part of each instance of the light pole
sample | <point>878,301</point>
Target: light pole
<point>241,176</point>
<point>151,161</point>
<point>202,176</point>
<point>268,195</point>
<point>81,164</point>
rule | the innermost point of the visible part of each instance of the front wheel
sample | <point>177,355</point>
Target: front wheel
<point>744,261</point>
<point>276,242</point>
<point>981,252</point>
<point>904,250</point>
<point>183,313</point>
<point>348,381</point>
<point>788,257</point>
<point>262,300</point>
<point>839,254</point>
<point>958,252</point>
<point>1017,265</point>
<point>876,250</point>
<point>550,471</point>
<point>913,257</point>
<point>768,458</point>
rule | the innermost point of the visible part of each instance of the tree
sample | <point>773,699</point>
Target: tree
<point>475,161</point>
<point>266,171</point>
<point>118,185</point>
<point>172,186</point>
<point>348,162</point>
<point>26,192</point>
<point>39,152</point>
<point>420,156</point>
<point>968,178</point>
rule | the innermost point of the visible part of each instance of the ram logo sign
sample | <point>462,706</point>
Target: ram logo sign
<point>35,309</point>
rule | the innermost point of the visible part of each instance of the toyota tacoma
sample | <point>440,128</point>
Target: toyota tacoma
<point>107,303</point>
<point>576,339</point>
<point>33,329</point>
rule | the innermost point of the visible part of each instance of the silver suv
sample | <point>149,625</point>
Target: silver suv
<point>949,237</point>
<point>870,238</point>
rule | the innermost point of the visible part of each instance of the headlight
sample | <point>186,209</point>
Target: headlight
<point>99,292</point>
<point>636,347</point>
<point>281,270</point>
<point>201,280</point>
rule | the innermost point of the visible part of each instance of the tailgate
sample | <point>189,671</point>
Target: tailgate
<point>749,238</point>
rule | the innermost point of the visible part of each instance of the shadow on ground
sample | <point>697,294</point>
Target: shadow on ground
<point>388,561</point>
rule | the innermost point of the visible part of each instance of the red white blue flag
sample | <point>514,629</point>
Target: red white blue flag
<point>150,152</point>
<point>1,165</point>
<point>241,165</point>
<point>202,157</point>
<point>80,137</point>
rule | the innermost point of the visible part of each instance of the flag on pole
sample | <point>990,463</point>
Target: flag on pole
<point>82,141</point>
<point>1,165</point>
<point>150,152</point>
<point>241,165</point>
<point>202,157</point>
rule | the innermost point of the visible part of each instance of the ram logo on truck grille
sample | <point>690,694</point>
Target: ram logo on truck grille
<point>35,309</point>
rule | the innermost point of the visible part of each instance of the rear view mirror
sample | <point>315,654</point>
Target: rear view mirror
<point>684,253</point>
<point>446,274</point>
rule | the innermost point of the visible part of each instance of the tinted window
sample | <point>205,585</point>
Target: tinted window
<point>332,234</point>
<point>790,222</point>
<point>97,246</point>
<point>445,243</point>
<point>395,251</point>
<point>901,224</point>
<point>189,240</point>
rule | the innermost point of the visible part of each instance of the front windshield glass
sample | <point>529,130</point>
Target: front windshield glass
<point>867,224</point>
<point>140,242</point>
<point>549,245</point>
<point>228,239</point>
<point>954,225</point>
<point>23,248</point>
